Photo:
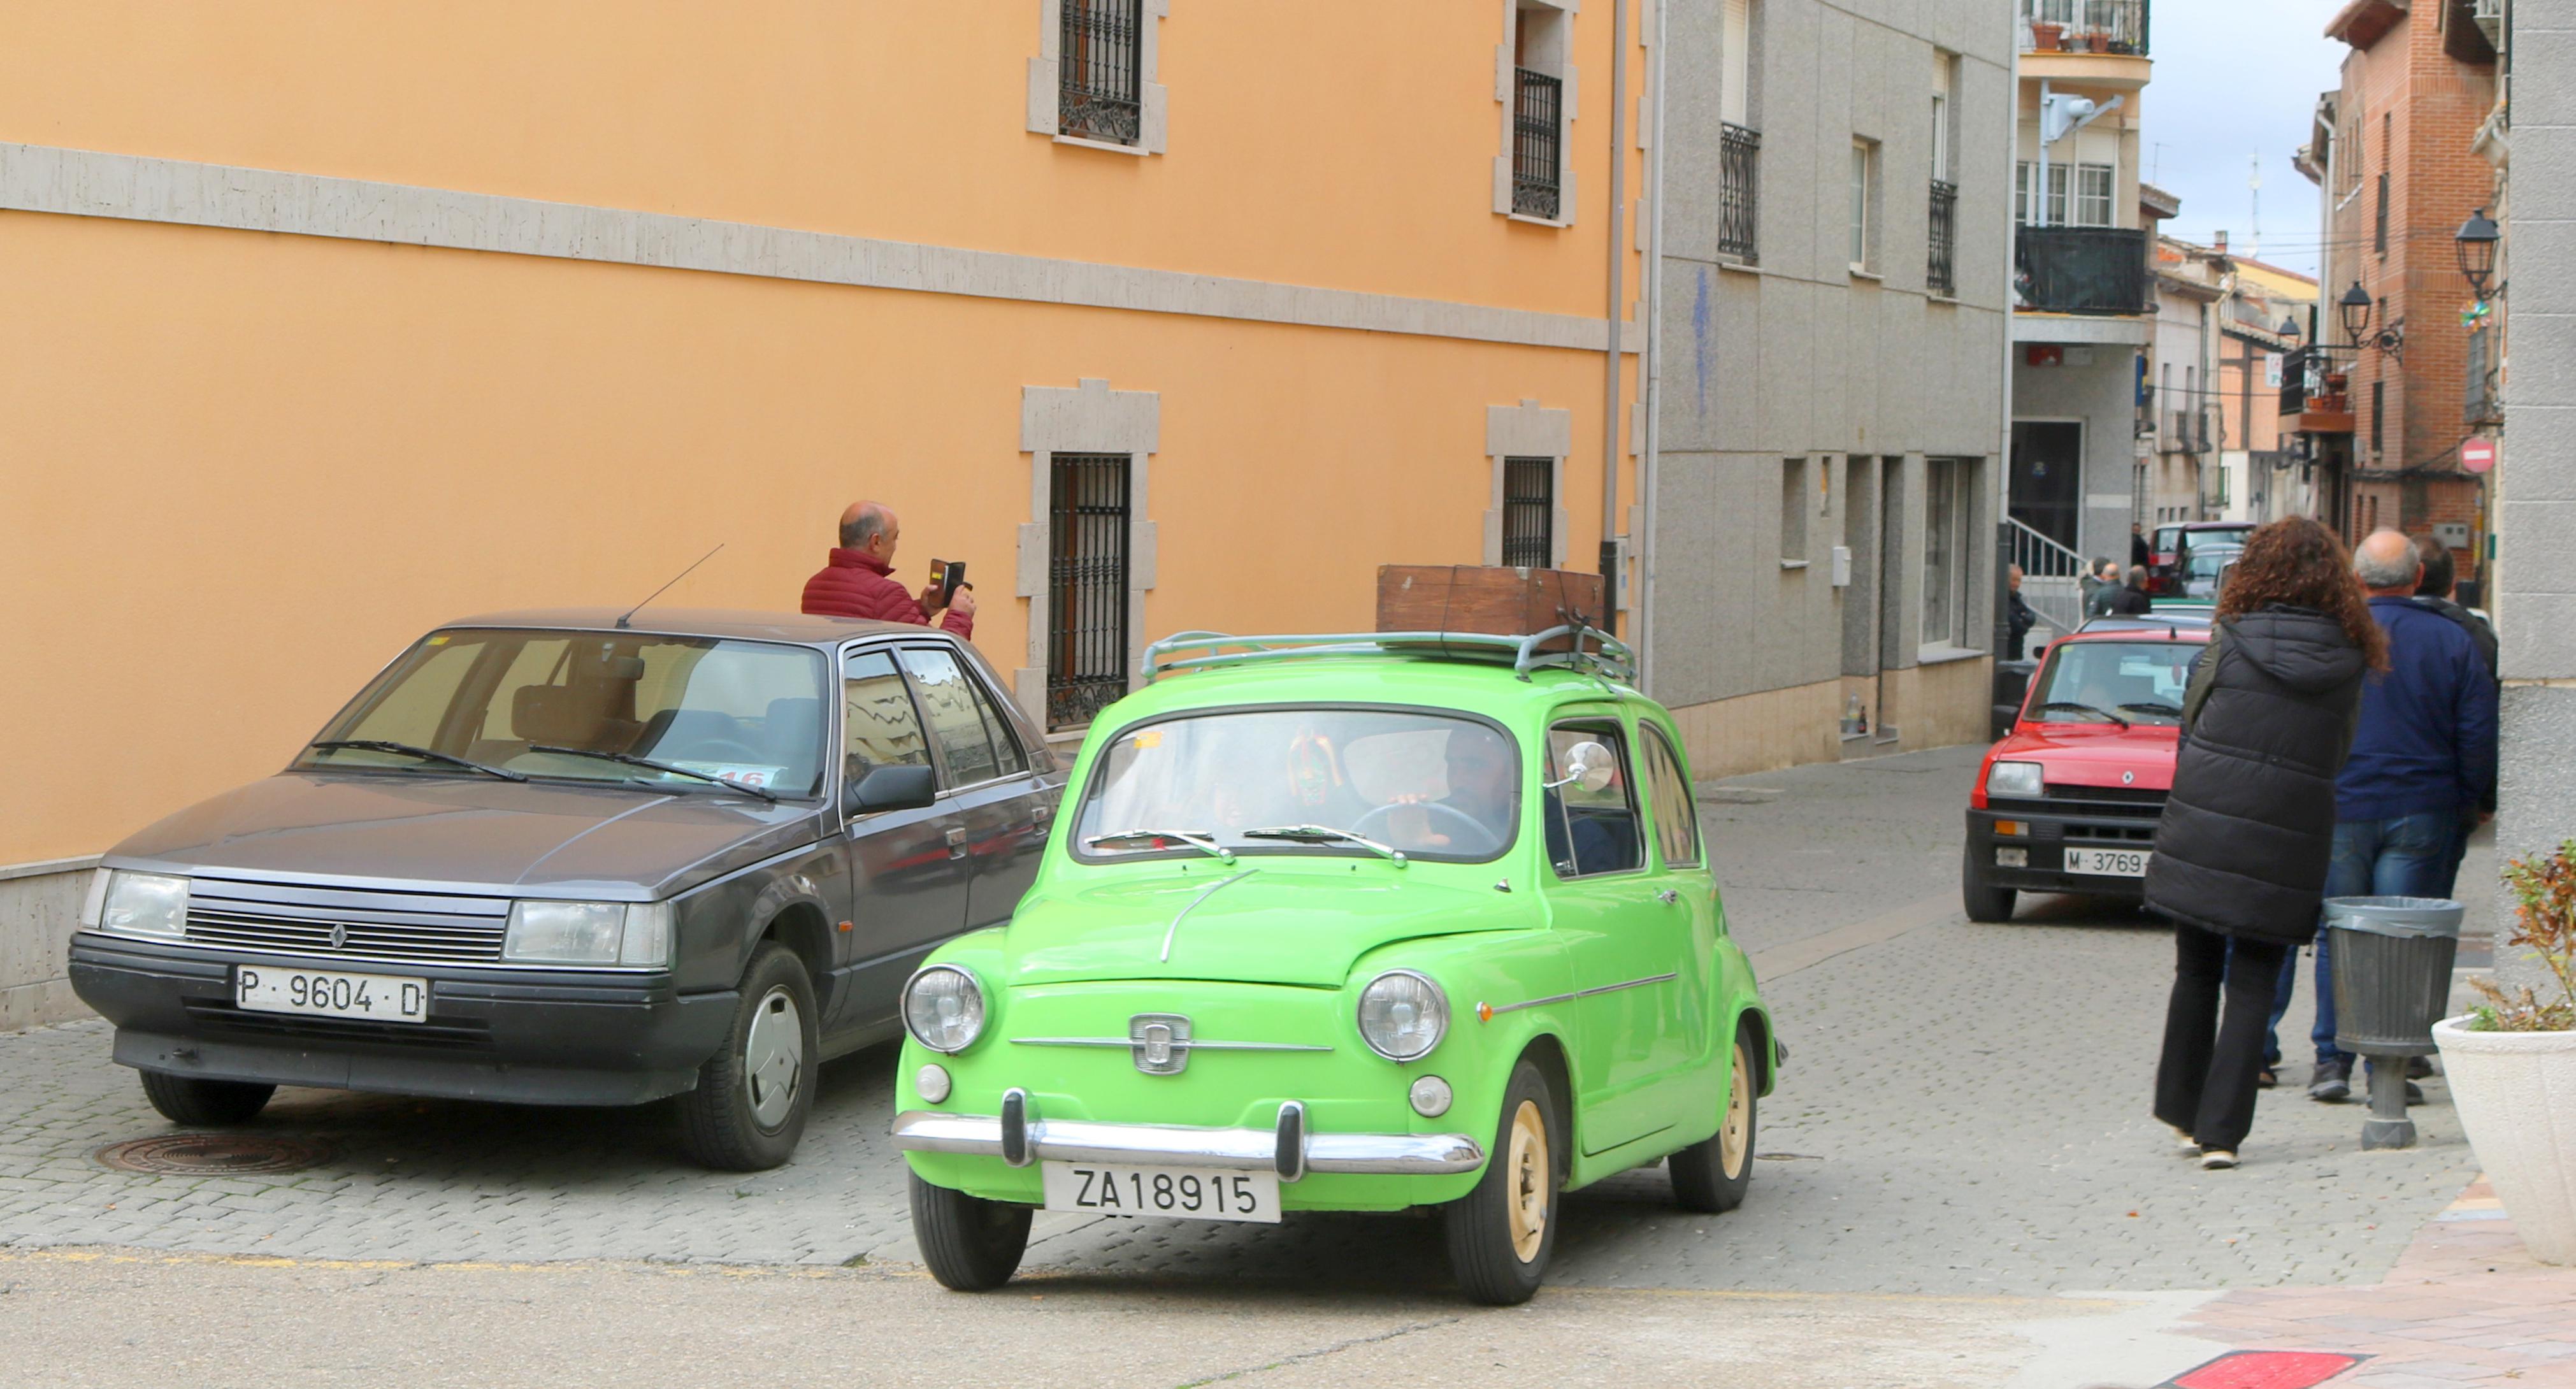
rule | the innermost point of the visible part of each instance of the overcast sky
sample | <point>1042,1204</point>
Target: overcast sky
<point>2234,79</point>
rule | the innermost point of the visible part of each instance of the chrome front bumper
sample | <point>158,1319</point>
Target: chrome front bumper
<point>1291,1149</point>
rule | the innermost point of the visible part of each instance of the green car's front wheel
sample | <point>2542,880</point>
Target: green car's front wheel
<point>1712,1174</point>
<point>971,1245</point>
<point>1502,1234</point>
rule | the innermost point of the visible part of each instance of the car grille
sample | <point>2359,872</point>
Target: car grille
<point>2129,795</point>
<point>455,1034</point>
<point>346,923</point>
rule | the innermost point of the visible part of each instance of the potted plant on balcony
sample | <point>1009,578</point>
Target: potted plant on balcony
<point>2046,37</point>
<point>2510,1057</point>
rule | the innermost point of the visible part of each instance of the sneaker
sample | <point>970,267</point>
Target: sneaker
<point>2332,1083</point>
<point>2184,1144</point>
<point>2217,1160</point>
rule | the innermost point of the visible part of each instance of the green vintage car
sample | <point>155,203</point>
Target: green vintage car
<point>1346,923</point>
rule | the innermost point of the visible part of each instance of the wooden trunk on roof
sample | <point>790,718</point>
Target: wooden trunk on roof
<point>1485,598</point>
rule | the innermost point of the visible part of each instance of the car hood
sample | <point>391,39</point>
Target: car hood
<point>2140,758</point>
<point>1278,923</point>
<point>430,829</point>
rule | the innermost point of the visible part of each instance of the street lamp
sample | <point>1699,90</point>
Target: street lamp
<point>2354,307</point>
<point>2290,326</point>
<point>2476,242</point>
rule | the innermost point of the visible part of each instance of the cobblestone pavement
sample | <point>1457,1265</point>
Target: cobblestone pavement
<point>1963,1113</point>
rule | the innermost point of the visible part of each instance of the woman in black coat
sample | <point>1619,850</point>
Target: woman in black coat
<point>2241,851</point>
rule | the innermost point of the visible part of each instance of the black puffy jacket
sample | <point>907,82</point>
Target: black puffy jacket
<point>2249,829</point>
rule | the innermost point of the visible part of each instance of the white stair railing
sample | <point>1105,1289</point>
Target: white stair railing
<point>2052,576</point>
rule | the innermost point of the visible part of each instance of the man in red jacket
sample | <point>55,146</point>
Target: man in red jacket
<point>857,580</point>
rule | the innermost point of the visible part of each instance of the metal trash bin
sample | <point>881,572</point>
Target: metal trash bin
<point>2392,982</point>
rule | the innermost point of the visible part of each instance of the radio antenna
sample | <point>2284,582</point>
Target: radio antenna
<point>630,612</point>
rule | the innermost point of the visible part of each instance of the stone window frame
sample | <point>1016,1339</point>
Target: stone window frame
<point>1153,100</point>
<point>1088,418</point>
<point>1527,430</point>
<point>1506,91</point>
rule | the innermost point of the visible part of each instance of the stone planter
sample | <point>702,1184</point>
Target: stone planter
<point>2516,1093</point>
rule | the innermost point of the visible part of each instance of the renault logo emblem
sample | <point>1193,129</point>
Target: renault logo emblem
<point>1160,1042</point>
<point>2128,777</point>
<point>339,937</point>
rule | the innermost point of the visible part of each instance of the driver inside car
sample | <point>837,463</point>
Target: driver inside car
<point>1480,789</point>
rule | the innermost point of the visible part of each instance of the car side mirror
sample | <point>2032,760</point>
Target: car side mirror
<point>1589,765</point>
<point>891,788</point>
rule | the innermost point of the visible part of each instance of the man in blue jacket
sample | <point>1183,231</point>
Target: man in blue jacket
<point>2425,755</point>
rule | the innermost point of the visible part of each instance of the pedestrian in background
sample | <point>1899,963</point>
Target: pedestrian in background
<point>2100,582</point>
<point>2130,599</point>
<point>2243,847</point>
<point>2434,591</point>
<point>857,579</point>
<point>2140,553</point>
<point>2017,612</point>
<point>2424,755</point>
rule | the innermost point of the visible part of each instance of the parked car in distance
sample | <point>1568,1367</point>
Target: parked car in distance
<point>2068,801</point>
<point>1346,923</point>
<point>555,858</point>
<point>2205,567</point>
<point>2174,542</point>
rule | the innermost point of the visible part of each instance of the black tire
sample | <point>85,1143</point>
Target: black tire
<point>971,1245</point>
<point>1713,1174</point>
<point>1982,900</point>
<point>1488,1250</point>
<point>205,1103</point>
<point>748,1113</point>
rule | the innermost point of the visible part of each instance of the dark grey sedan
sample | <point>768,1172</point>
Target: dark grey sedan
<point>549,858</point>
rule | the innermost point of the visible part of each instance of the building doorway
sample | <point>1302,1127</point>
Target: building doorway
<point>2047,489</point>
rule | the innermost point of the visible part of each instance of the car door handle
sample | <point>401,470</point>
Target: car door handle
<point>1668,897</point>
<point>957,842</point>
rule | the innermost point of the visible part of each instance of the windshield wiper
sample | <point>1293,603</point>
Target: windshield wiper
<point>2081,707</point>
<point>1326,834</point>
<point>2171,711</point>
<point>632,760</point>
<point>1196,839</point>
<point>414,750</point>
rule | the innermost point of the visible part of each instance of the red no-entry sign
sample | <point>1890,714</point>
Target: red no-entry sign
<point>2477,455</point>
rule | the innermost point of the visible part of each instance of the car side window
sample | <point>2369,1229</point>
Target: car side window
<point>1590,831</point>
<point>878,725</point>
<point>957,718</point>
<point>1676,816</point>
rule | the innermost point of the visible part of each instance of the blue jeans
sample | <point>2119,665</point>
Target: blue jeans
<point>2407,856</point>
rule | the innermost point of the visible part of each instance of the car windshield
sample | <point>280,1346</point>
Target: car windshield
<point>746,712</point>
<point>2208,562</point>
<point>2113,682</point>
<point>1301,781</point>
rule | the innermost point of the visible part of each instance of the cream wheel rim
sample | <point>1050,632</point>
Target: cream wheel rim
<point>1731,1140</point>
<point>1526,1202</point>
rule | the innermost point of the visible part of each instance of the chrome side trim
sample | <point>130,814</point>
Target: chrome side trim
<point>1178,1044</point>
<point>1082,1140</point>
<point>1489,1011</point>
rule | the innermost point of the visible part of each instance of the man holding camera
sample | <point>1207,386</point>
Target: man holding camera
<point>858,579</point>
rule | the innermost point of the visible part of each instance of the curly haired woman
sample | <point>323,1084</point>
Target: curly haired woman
<point>2241,852</point>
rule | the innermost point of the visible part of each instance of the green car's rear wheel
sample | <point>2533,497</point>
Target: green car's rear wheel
<point>1712,1174</point>
<point>971,1245</point>
<point>1502,1234</point>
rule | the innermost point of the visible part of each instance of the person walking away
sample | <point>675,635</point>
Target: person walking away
<point>2434,591</point>
<point>2243,847</point>
<point>2017,612</point>
<point>857,579</point>
<point>2141,554</point>
<point>2131,599</point>
<point>2105,581</point>
<point>2424,751</point>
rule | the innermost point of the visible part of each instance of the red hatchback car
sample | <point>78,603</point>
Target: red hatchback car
<point>2068,801</point>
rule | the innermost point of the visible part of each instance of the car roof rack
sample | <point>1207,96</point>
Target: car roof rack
<point>1585,649</point>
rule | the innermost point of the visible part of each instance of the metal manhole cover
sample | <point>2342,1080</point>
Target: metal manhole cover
<point>214,1154</point>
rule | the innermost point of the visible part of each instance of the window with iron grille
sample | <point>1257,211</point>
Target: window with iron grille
<point>1942,272</point>
<point>1086,585</point>
<point>1098,94</point>
<point>2379,232</point>
<point>1739,202</point>
<point>1529,512</point>
<point>1537,140</point>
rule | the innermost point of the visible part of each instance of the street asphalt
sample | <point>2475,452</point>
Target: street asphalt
<point>1959,1147</point>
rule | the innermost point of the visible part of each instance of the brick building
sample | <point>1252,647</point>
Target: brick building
<point>2401,173</point>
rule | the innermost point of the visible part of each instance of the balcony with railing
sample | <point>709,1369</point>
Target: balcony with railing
<point>2114,27</point>
<point>2315,393</point>
<point>1941,275</point>
<point>2082,270</point>
<point>2485,403</point>
<point>1538,156</point>
<point>1739,204</point>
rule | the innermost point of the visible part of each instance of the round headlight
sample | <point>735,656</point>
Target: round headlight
<point>943,1008</point>
<point>1402,1015</point>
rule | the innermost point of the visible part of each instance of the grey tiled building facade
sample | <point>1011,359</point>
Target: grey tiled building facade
<point>1828,412</point>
